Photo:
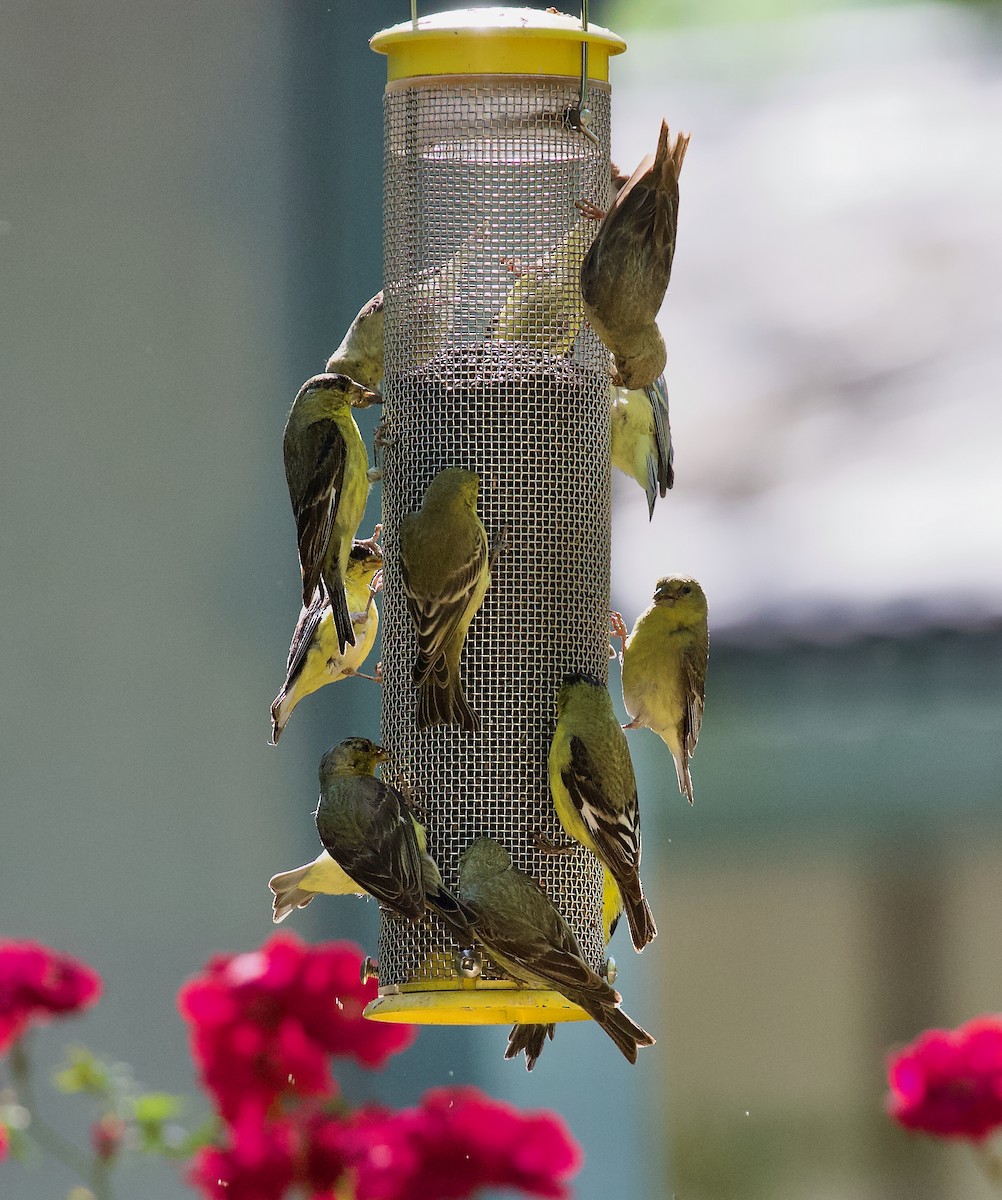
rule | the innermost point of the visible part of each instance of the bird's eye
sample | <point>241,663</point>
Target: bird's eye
<point>686,590</point>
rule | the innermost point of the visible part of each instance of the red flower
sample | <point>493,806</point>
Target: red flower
<point>4,1141</point>
<point>259,1165</point>
<point>330,975</point>
<point>37,983</point>
<point>457,1142</point>
<point>265,1023</point>
<point>322,1158</point>
<point>266,1157</point>
<point>949,1082</point>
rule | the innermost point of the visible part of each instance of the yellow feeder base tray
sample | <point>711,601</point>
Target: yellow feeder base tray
<point>487,1003</point>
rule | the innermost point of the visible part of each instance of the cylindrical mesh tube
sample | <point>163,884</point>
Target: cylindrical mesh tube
<point>480,170</point>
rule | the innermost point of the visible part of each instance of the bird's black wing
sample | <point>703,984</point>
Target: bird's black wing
<point>437,617</point>
<point>323,446</point>
<point>382,855</point>
<point>615,833</point>
<point>306,627</point>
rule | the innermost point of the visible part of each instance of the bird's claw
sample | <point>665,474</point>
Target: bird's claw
<point>546,846</point>
<point>500,544</point>
<point>380,440</point>
<point>372,541</point>
<point>618,634</point>
<point>592,211</point>
<point>380,437</point>
<point>407,795</point>
<point>375,587</point>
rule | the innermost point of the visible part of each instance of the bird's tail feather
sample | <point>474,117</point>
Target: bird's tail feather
<point>624,1031</point>
<point>657,394</point>
<point>652,486</point>
<point>528,1038</point>
<point>445,704</point>
<point>638,913</point>
<point>684,778</point>
<point>288,894</point>
<point>339,608</point>
<point>281,710</point>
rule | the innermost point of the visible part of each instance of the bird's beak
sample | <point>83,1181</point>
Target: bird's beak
<point>382,755</point>
<point>663,596</point>
<point>367,397</point>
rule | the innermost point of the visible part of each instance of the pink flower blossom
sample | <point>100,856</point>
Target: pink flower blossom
<point>330,1002</point>
<point>456,1142</point>
<point>265,1023</point>
<point>264,1158</point>
<point>37,983</point>
<point>259,1163</point>
<point>322,1158</point>
<point>949,1082</point>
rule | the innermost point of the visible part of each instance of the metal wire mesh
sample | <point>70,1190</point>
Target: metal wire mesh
<point>480,170</point>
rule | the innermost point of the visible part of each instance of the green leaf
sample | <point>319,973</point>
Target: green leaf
<point>83,1073</point>
<point>156,1107</point>
<point>151,1112</point>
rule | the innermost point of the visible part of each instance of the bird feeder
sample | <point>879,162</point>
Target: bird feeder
<point>493,130</point>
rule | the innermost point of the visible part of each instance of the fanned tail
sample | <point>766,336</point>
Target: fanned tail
<point>529,1039</point>
<point>288,894</point>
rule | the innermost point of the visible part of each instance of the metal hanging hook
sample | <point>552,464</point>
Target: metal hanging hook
<point>579,118</point>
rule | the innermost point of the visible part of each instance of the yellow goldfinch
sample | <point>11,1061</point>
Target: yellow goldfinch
<point>664,670</point>
<point>295,889</point>
<point>595,792</point>
<point>543,309</point>
<point>625,273</point>
<point>523,932</point>
<point>325,467</point>
<point>641,438</point>
<point>446,573</point>
<point>360,355</point>
<point>314,657</point>
<point>366,827</point>
<point>426,301</point>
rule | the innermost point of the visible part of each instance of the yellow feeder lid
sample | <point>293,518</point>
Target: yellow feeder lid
<point>496,41</point>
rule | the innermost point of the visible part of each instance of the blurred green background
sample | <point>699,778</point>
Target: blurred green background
<point>189,217</point>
